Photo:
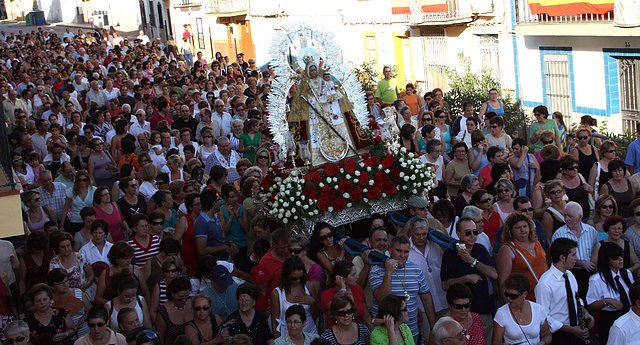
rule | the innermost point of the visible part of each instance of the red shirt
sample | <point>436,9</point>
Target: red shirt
<point>486,175</point>
<point>491,225</point>
<point>274,266</point>
<point>157,117</point>
<point>358,298</point>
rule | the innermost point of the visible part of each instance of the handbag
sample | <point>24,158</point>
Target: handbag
<point>592,202</point>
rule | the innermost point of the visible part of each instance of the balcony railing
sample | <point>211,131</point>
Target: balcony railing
<point>457,9</point>
<point>524,15</point>
<point>226,7</point>
<point>187,3</point>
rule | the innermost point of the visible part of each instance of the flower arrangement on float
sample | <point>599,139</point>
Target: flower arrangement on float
<point>295,196</point>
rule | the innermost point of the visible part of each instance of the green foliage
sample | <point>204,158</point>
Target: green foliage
<point>367,75</point>
<point>622,140</point>
<point>474,87</point>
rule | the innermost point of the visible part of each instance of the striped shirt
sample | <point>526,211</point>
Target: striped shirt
<point>142,254</point>
<point>410,280</point>
<point>587,240</point>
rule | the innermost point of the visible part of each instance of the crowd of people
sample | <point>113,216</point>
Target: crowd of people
<point>141,172</point>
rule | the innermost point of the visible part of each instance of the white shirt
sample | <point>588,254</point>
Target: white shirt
<point>93,255</point>
<point>225,123</point>
<point>147,189</point>
<point>136,129</point>
<point>114,93</point>
<point>430,263</point>
<point>6,252</point>
<point>625,330</point>
<point>598,288</point>
<point>513,333</point>
<point>551,294</point>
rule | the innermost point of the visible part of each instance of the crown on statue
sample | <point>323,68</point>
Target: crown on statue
<point>307,59</point>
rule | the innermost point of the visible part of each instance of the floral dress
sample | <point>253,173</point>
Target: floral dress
<point>76,272</point>
<point>43,334</point>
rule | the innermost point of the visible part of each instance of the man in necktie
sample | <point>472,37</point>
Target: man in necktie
<point>556,291</point>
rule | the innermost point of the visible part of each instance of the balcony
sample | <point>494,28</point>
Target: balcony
<point>226,8</point>
<point>525,16</point>
<point>446,12</point>
<point>187,3</point>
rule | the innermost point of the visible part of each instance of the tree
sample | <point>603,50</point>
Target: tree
<point>474,87</point>
<point>367,75</point>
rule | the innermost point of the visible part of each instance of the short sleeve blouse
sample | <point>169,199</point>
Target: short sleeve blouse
<point>513,333</point>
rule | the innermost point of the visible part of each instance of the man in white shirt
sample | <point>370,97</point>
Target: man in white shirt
<point>556,291</point>
<point>141,125</point>
<point>110,91</point>
<point>144,39</point>
<point>79,83</point>
<point>96,95</point>
<point>222,117</point>
<point>428,257</point>
<point>625,330</point>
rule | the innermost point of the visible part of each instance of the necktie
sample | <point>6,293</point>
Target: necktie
<point>573,318</point>
<point>624,298</point>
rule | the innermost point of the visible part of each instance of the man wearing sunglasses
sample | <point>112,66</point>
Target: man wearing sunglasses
<point>472,265</point>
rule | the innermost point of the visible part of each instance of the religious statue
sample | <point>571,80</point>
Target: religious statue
<point>320,112</point>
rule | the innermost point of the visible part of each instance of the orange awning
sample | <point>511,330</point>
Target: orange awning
<point>403,7</point>
<point>569,7</point>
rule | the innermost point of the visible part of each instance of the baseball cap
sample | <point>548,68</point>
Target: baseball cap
<point>221,276</point>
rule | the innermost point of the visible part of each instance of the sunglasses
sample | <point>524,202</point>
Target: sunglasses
<point>504,190</point>
<point>207,136</point>
<point>15,340</point>
<point>295,250</point>
<point>62,282</point>
<point>512,296</point>
<point>461,306</point>
<point>295,279</point>
<point>94,325</point>
<point>483,201</point>
<point>556,192</point>
<point>441,117</point>
<point>263,157</point>
<point>175,270</point>
<point>203,308</point>
<point>530,209</point>
<point>494,126</point>
<point>158,222</point>
<point>547,142</point>
<point>181,299</point>
<point>474,232</point>
<point>36,200</point>
<point>426,119</point>
<point>583,137</point>
<point>83,180</point>
<point>133,185</point>
<point>610,207</point>
<point>325,237</point>
<point>345,312</point>
<point>611,151</point>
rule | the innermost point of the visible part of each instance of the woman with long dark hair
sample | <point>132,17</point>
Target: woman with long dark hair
<point>609,288</point>
<point>292,291</point>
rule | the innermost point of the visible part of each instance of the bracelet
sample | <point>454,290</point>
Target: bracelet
<point>474,263</point>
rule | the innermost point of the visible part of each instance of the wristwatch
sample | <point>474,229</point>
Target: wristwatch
<point>474,263</point>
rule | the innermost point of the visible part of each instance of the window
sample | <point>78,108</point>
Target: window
<point>434,50</point>
<point>629,72</point>
<point>558,84</point>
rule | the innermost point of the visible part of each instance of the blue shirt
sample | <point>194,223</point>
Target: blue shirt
<point>586,242</point>
<point>210,228</point>
<point>409,280</point>
<point>633,155</point>
<point>223,303</point>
